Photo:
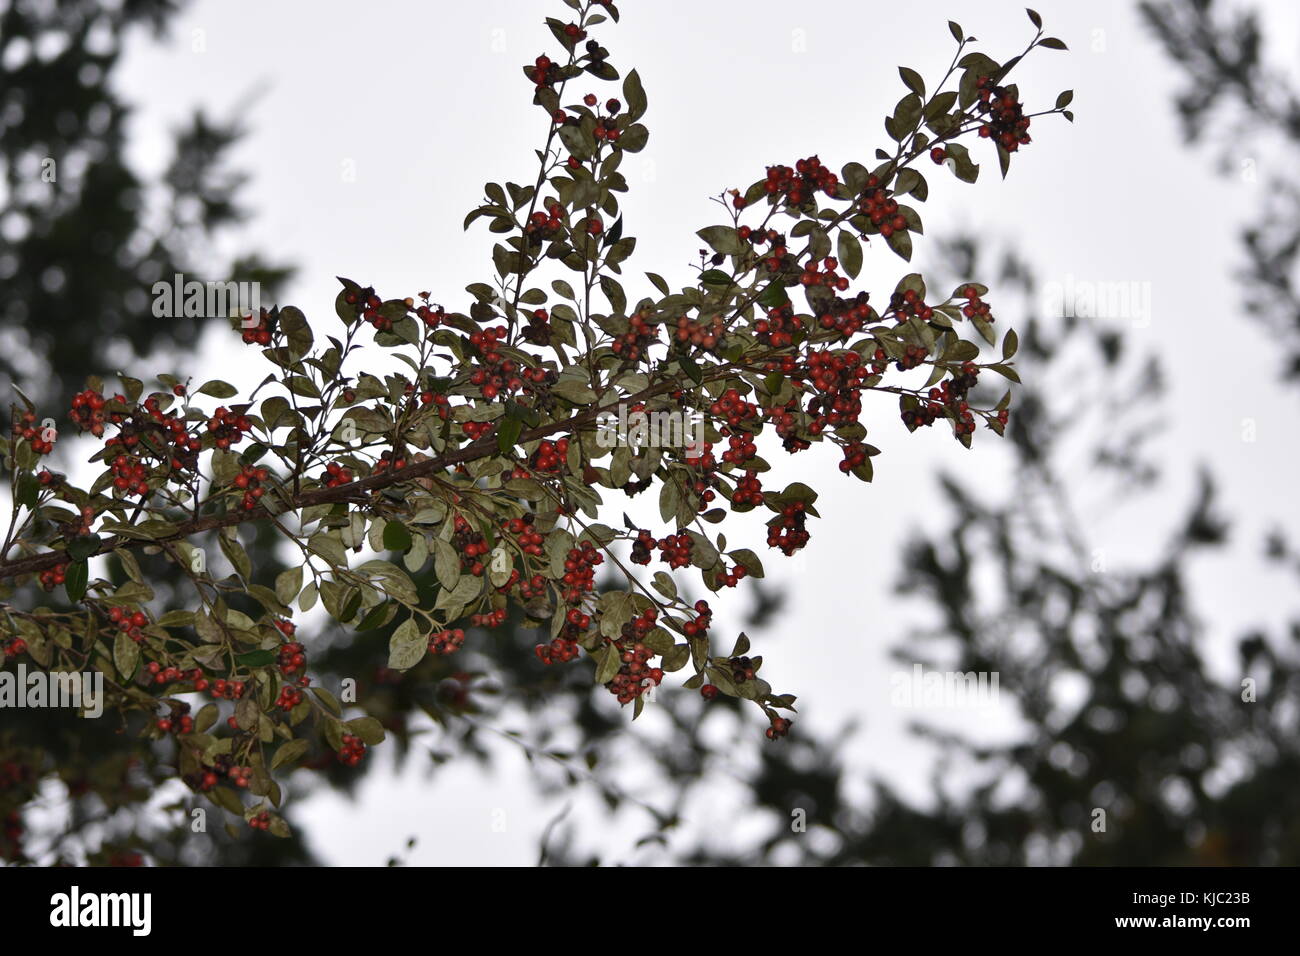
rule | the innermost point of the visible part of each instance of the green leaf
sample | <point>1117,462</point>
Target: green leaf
<point>256,658</point>
<point>74,581</point>
<point>850,253</point>
<point>370,730</point>
<point>446,563</point>
<point>407,646</point>
<point>508,433</point>
<point>126,655</point>
<point>634,95</point>
<point>288,584</point>
<point>218,389</point>
<point>961,164</point>
<point>722,239</point>
<point>912,80</point>
<point>289,752</point>
<point>81,548</point>
<point>901,243</point>
<point>773,296</point>
<point>607,664</point>
<point>633,139</point>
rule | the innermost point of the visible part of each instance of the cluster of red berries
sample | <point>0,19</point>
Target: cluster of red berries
<point>205,780</point>
<point>742,669</point>
<point>185,447</point>
<point>607,127</point>
<point>14,647</point>
<point>838,377</point>
<point>53,577</point>
<point>290,658</point>
<point>260,821</point>
<point>1006,123</point>
<point>446,641</point>
<point>733,408</point>
<point>778,329</point>
<point>290,697</point>
<point>530,588</point>
<point>881,208</point>
<point>798,185</point>
<point>950,394</point>
<point>975,307</point>
<point>635,676</point>
<point>228,427</point>
<point>907,304</point>
<point>495,373</point>
<point>729,579</point>
<point>912,356</point>
<point>259,334</point>
<point>528,538</point>
<point>550,456</point>
<point>786,424</point>
<point>855,453</point>
<point>643,546</point>
<point>699,625</point>
<point>538,330</point>
<point>748,490</point>
<point>26,428</point>
<point>352,751</point>
<point>178,721</point>
<point>780,727</point>
<point>489,619</point>
<point>128,622</point>
<point>706,337</point>
<point>377,319</point>
<point>787,531</point>
<point>675,550</point>
<point>740,447</point>
<point>476,430</point>
<point>580,571</point>
<point>129,476</point>
<point>631,345</point>
<point>88,411</point>
<point>335,475</point>
<point>828,277</point>
<point>471,544</point>
<point>443,404</point>
<point>228,689</point>
<point>172,675</point>
<point>846,316</point>
<point>249,480</point>
<point>545,72</point>
<point>545,225</point>
<point>562,649</point>
<point>387,461</point>
<point>431,317</point>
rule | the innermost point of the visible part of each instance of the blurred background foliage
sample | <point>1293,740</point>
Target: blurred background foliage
<point>1186,771</point>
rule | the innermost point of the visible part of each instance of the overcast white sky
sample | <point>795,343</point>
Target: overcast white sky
<point>373,128</point>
